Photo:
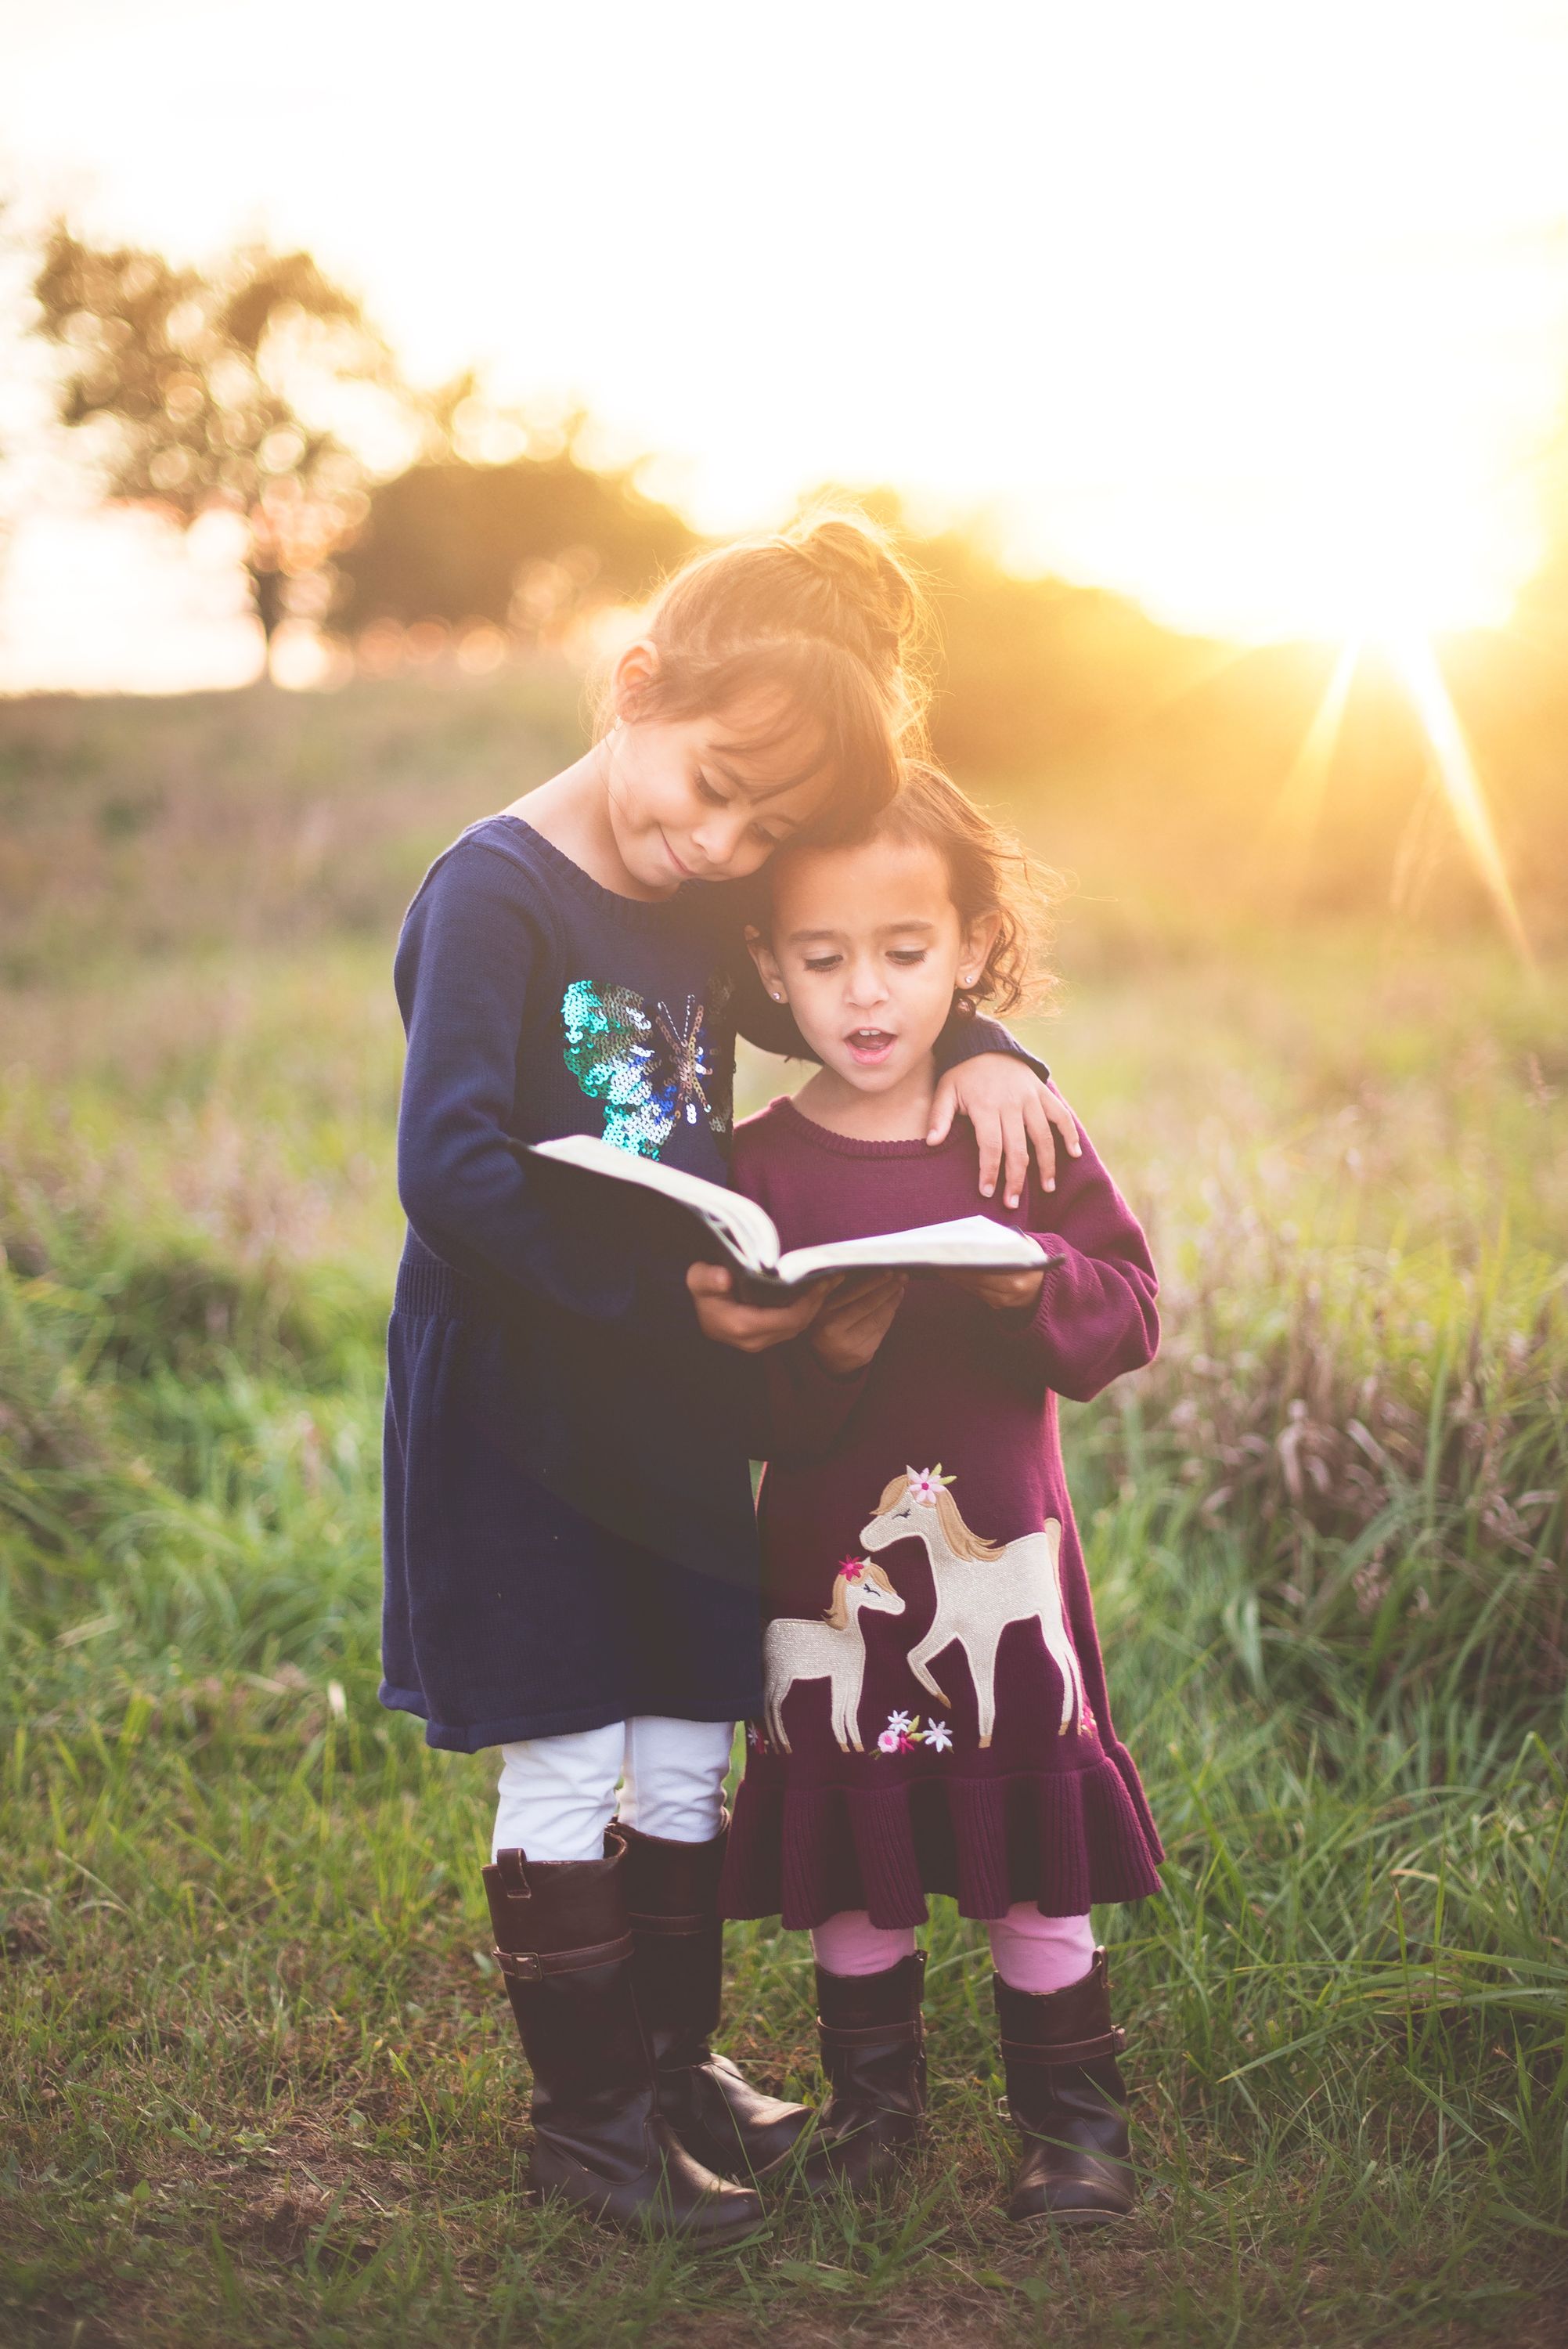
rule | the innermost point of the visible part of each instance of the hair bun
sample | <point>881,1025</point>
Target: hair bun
<point>858,562</point>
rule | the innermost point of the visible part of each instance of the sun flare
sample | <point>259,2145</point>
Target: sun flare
<point>1417,664</point>
<point>1412,658</point>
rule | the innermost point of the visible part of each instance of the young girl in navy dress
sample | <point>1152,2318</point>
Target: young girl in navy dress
<point>935,1716</point>
<point>571,1549</point>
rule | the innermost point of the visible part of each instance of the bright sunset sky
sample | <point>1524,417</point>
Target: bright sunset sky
<point>1259,313</point>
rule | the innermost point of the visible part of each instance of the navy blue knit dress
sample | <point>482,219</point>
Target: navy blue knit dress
<point>568,1536</point>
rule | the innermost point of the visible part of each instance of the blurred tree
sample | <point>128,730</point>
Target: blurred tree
<point>504,522</point>
<point>1031,666</point>
<point>250,387</point>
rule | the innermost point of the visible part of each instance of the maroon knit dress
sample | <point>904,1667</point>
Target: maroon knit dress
<point>936,1714</point>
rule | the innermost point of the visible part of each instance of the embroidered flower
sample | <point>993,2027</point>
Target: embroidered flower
<point>925,1484</point>
<point>755,1738</point>
<point>904,1734</point>
<point>852,1568</point>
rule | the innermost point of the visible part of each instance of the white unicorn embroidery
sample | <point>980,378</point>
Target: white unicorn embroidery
<point>981,1587</point>
<point>832,1648</point>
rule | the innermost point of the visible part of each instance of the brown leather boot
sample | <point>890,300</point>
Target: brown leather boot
<point>1067,2096</point>
<point>672,1897</point>
<point>873,2053</point>
<point>564,1944</point>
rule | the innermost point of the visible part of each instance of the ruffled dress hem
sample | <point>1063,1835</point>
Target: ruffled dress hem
<point>1063,1839</point>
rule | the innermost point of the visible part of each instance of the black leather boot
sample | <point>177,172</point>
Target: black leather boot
<point>873,2053</point>
<point>1066,2094</point>
<point>563,1943</point>
<point>672,1898</point>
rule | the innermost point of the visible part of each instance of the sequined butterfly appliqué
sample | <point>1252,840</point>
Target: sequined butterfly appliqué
<point>652,1067</point>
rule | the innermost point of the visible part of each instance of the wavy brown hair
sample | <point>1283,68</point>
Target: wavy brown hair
<point>990,871</point>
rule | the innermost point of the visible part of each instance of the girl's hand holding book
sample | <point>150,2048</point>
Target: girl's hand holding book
<point>751,1329</point>
<point>855,1320</point>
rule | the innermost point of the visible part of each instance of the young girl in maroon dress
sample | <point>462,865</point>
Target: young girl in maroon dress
<point>935,1715</point>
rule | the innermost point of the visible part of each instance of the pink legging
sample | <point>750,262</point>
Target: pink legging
<point>1030,1952</point>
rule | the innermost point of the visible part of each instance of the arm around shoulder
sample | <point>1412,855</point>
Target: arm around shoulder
<point>969,1036</point>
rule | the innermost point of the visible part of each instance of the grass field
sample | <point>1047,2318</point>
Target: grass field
<point>259,2081</point>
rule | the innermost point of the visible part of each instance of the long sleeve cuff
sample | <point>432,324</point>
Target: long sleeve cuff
<point>1094,1318</point>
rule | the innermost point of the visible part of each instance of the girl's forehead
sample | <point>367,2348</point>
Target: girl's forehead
<point>867,885</point>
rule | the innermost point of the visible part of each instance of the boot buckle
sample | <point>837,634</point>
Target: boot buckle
<point>533,1965</point>
<point>520,1965</point>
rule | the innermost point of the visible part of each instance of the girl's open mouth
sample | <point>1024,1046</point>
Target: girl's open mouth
<point>868,1046</point>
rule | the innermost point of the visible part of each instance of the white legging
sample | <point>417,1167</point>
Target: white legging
<point>558,1795</point>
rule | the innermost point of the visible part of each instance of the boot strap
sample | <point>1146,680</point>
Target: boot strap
<point>1073,2051</point>
<point>677,1926</point>
<point>532,1965</point>
<point>907,2034</point>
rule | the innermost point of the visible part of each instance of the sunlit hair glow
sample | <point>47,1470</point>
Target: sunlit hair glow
<point>812,638</point>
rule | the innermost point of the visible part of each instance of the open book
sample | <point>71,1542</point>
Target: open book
<point>748,1237</point>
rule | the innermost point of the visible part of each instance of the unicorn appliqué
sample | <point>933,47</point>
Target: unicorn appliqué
<point>981,1587</point>
<point>829,1648</point>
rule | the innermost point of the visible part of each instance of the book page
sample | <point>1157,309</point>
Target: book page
<point>972,1242</point>
<point>746,1231</point>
